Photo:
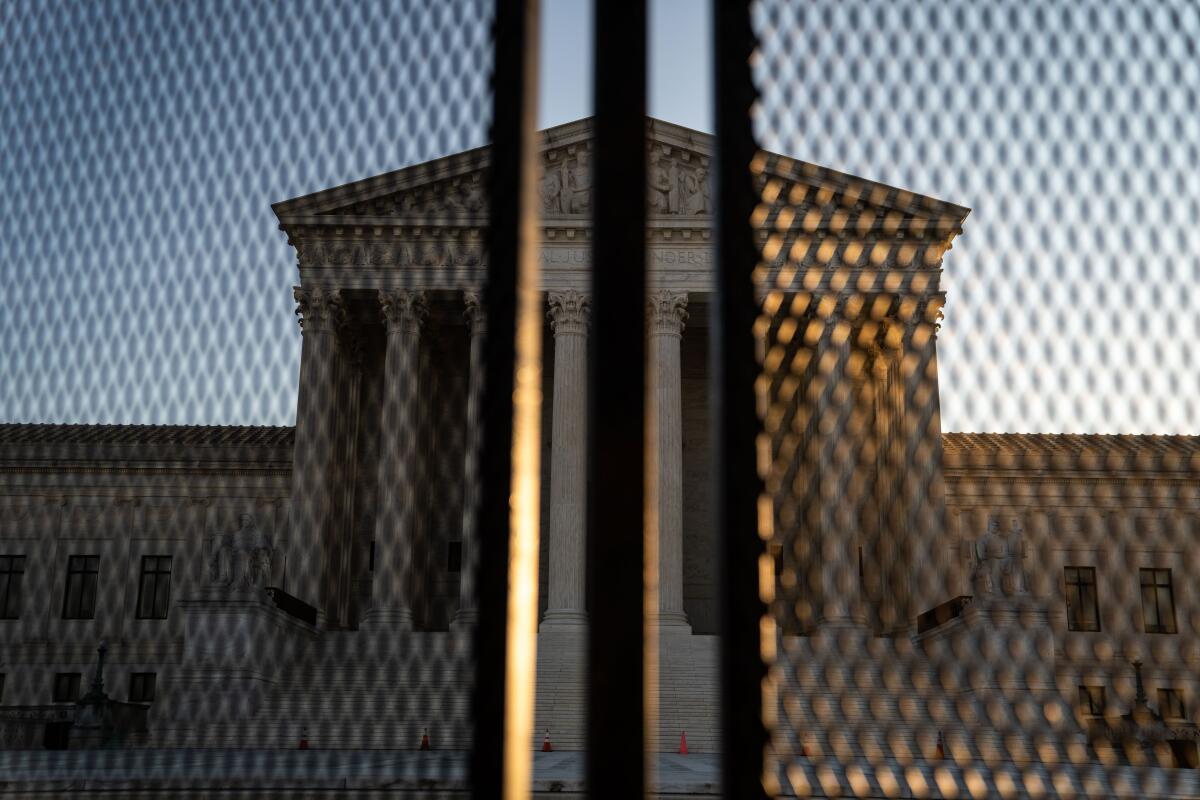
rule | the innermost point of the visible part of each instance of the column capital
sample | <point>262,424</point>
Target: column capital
<point>475,313</point>
<point>569,311</point>
<point>319,309</point>
<point>403,310</point>
<point>666,312</point>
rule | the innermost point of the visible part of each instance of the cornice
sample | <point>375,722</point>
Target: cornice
<point>62,467</point>
<point>1125,455</point>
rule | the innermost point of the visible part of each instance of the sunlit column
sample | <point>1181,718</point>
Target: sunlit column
<point>404,313</point>
<point>666,314</point>
<point>477,320</point>
<point>568,477</point>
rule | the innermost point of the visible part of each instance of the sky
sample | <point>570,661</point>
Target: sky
<point>142,143</point>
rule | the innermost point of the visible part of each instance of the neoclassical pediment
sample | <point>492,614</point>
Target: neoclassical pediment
<point>679,185</point>
<point>431,217</point>
<point>678,162</point>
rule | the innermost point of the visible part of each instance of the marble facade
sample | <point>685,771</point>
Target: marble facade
<point>363,511</point>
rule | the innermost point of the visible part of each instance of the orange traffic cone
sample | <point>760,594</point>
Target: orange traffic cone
<point>683,743</point>
<point>425,740</point>
<point>546,746</point>
<point>303,739</point>
<point>941,748</point>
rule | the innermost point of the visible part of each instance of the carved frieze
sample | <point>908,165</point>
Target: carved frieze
<point>406,252</point>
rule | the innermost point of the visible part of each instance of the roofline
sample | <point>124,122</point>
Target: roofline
<point>1072,452</point>
<point>557,135</point>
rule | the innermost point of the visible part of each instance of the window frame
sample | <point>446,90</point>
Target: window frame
<point>11,565</point>
<point>1156,588</point>
<point>1169,696</point>
<point>89,566</point>
<point>151,569</point>
<point>1093,699</point>
<point>1077,623</point>
<point>141,680</point>
<point>64,678</point>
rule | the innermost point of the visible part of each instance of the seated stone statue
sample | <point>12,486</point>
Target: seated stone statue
<point>998,568</point>
<point>241,559</point>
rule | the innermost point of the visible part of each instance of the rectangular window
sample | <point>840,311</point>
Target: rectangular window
<point>454,557</point>
<point>66,687</point>
<point>2,677</point>
<point>1093,700</point>
<point>12,571</point>
<point>141,687</point>
<point>1083,611</point>
<point>154,590</point>
<point>1158,601</point>
<point>1170,704</point>
<point>79,599</point>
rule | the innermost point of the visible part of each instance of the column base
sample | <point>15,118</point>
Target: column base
<point>559,618</point>
<point>672,622</point>
<point>381,619</point>
<point>464,620</point>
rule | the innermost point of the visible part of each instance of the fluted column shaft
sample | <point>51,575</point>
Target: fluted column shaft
<point>666,314</point>
<point>321,314</point>
<point>404,313</point>
<point>477,321</point>
<point>568,476</point>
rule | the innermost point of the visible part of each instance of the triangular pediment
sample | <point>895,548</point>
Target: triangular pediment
<point>453,190</point>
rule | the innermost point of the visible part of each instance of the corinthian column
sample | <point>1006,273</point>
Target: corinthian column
<point>477,320</point>
<point>666,313</point>
<point>568,465</point>
<point>403,313</point>
<point>321,314</point>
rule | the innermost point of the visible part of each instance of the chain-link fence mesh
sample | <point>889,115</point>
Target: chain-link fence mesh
<point>259,592</point>
<point>977,615</point>
<point>950,614</point>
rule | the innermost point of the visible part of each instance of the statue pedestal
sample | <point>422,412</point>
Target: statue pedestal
<point>1000,642</point>
<point>235,643</point>
<point>998,658</point>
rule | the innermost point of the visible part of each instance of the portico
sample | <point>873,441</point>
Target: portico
<point>391,271</point>
<point>391,276</point>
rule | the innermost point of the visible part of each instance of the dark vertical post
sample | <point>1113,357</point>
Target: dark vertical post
<point>734,369</point>
<point>616,761</point>
<point>514,99</point>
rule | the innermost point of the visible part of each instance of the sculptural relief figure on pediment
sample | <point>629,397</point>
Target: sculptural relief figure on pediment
<point>696,192</point>
<point>551,191</point>
<point>577,184</point>
<point>660,187</point>
<point>465,194</point>
<point>677,188</point>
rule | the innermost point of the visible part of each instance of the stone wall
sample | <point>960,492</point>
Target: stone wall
<point>1117,504</point>
<point>122,493</point>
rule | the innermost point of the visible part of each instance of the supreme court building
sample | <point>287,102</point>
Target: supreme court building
<point>256,585</point>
